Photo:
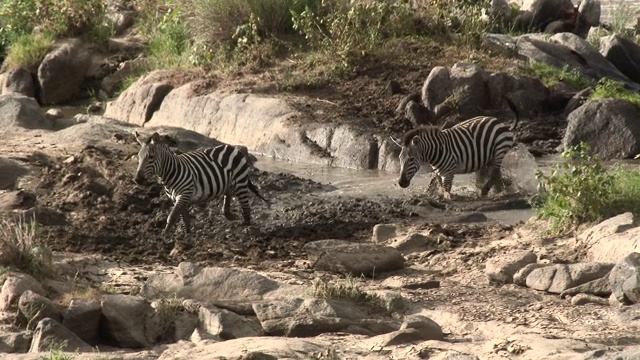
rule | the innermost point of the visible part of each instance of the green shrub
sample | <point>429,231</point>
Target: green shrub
<point>170,41</point>
<point>346,31</point>
<point>551,75</point>
<point>581,190</point>
<point>607,88</point>
<point>29,50</point>
<point>16,19</point>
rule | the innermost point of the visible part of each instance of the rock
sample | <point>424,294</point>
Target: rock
<point>469,89</point>
<point>383,232</point>
<point>15,342</point>
<point>608,126</point>
<point>499,43</point>
<point>454,355</point>
<point>400,337</point>
<point>630,353</point>
<point>412,243</point>
<point>471,218</point>
<point>216,285</point>
<point>82,317</point>
<point>19,112</point>
<point>520,277</point>
<point>437,87</point>
<point>278,347</point>
<point>583,299</point>
<point>427,328</point>
<point>597,287</point>
<point>501,269</point>
<point>124,320</point>
<point>589,13</point>
<point>184,326</point>
<point>625,279</point>
<point>50,333</point>
<point>36,307</point>
<point>62,72</point>
<point>296,317</point>
<point>613,248</point>
<point>546,11</point>
<point>428,284</point>
<point>392,300</point>
<point>54,114</point>
<point>527,94</point>
<point>556,278</point>
<point>120,20</point>
<point>138,103</point>
<point>18,81</point>
<point>13,288</point>
<point>356,259</point>
<point>570,50</point>
<point>226,325</point>
<point>10,172</point>
<point>394,87</point>
<point>113,82</point>
<point>623,53</point>
<point>614,225</point>
<point>417,113</point>
<point>402,106</point>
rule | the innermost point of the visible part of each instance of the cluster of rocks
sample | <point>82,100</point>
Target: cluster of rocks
<point>607,125</point>
<point>198,305</point>
<point>611,269</point>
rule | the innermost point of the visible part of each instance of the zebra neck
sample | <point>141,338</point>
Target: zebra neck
<point>167,163</point>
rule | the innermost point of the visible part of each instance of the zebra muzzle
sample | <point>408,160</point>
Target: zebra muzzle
<point>404,183</point>
<point>140,180</point>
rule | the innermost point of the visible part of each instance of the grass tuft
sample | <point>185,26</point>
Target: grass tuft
<point>347,289</point>
<point>551,76</point>
<point>22,249</point>
<point>28,50</point>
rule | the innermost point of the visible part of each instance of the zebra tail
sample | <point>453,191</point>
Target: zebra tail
<point>254,190</point>
<point>513,108</point>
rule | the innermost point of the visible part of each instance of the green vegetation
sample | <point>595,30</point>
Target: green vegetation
<point>347,289</point>
<point>56,352</point>
<point>22,249</point>
<point>28,50</point>
<point>607,88</point>
<point>581,190</point>
<point>551,75</point>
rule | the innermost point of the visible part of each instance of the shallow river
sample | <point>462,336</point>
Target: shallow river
<point>374,183</point>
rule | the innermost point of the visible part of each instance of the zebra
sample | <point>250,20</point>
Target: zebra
<point>196,176</point>
<point>477,144</point>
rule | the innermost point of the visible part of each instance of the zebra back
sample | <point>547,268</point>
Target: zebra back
<point>466,147</point>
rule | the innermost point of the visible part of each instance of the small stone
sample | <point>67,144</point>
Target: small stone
<point>394,87</point>
<point>383,232</point>
<point>428,284</point>
<point>501,269</point>
<point>583,299</point>
<point>427,328</point>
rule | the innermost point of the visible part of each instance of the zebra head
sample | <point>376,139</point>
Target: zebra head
<point>409,163</point>
<point>147,157</point>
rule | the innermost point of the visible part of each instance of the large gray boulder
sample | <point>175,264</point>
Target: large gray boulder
<point>623,53</point>
<point>625,279</point>
<point>125,321</point>
<point>556,278</point>
<point>19,112</point>
<point>62,72</point>
<point>50,333</point>
<point>609,126</point>
<point>18,81</point>
<point>567,49</point>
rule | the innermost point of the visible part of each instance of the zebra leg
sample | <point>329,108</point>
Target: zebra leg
<point>447,182</point>
<point>496,176</point>
<point>186,221</point>
<point>243,198</point>
<point>181,207</point>
<point>226,206</point>
<point>435,181</point>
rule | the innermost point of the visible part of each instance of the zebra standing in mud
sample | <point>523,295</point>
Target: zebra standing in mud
<point>473,145</point>
<point>197,176</point>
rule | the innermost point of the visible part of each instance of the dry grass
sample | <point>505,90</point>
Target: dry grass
<point>85,294</point>
<point>22,249</point>
<point>347,289</point>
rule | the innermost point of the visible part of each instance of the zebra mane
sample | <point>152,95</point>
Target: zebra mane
<point>409,135</point>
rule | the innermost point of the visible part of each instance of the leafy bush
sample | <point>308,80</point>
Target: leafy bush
<point>343,30</point>
<point>57,17</point>
<point>170,41</point>
<point>28,50</point>
<point>581,190</point>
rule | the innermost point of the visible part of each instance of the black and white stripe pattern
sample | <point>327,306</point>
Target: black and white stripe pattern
<point>197,176</point>
<point>467,147</point>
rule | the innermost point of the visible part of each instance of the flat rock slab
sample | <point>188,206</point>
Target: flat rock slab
<point>356,259</point>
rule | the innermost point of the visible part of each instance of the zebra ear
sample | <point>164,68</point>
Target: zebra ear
<point>138,138</point>
<point>155,138</point>
<point>397,142</point>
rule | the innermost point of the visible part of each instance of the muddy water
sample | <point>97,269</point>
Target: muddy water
<point>374,183</point>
